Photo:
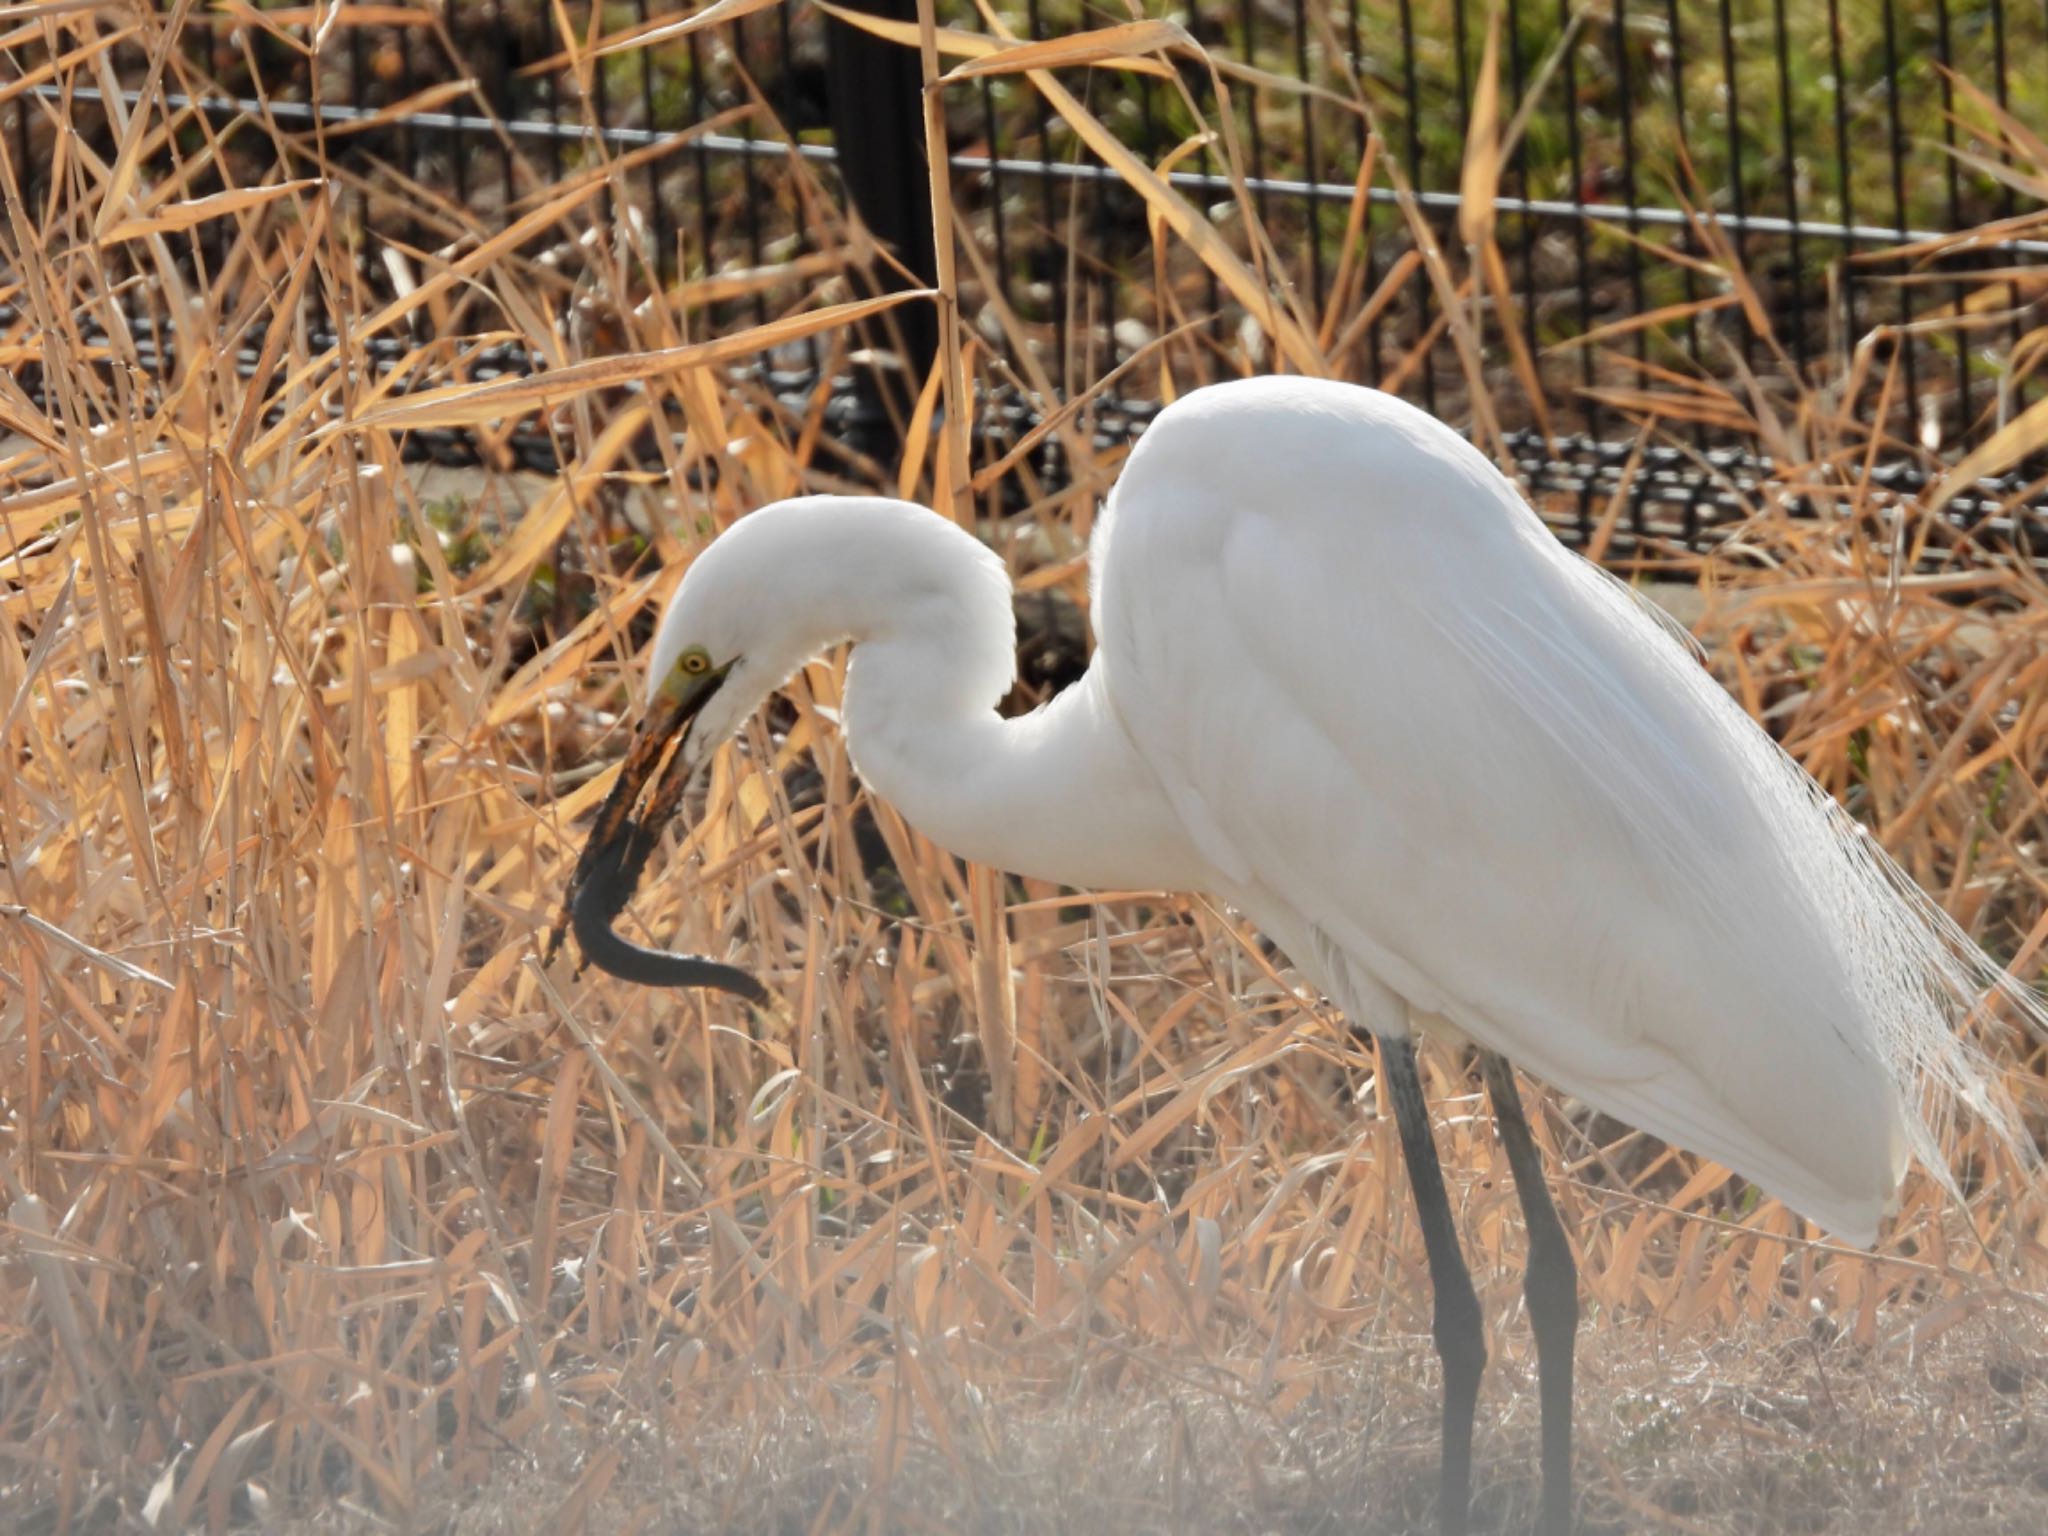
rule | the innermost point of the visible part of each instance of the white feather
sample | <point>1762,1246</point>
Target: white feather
<point>1480,769</point>
<point>1347,681</point>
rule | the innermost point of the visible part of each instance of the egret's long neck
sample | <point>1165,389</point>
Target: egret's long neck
<point>1060,795</point>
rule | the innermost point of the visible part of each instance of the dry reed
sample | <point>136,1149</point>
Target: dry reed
<point>320,1194</point>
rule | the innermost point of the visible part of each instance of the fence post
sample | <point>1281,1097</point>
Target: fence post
<point>877,92</point>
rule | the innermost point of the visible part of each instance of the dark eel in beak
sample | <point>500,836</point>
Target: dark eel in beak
<point>613,860</point>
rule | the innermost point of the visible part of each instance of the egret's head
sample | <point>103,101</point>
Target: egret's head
<point>749,612</point>
<point>756,605</point>
<point>778,588</point>
<point>786,583</point>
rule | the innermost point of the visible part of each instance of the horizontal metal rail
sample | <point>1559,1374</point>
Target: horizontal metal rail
<point>340,115</point>
<point>1716,488</point>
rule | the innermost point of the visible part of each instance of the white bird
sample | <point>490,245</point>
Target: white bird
<point>1346,682</point>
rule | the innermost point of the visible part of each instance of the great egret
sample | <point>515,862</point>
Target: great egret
<point>1346,682</point>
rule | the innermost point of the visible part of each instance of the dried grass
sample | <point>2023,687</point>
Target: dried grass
<point>321,1193</point>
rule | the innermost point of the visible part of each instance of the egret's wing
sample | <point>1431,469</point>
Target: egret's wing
<point>1400,720</point>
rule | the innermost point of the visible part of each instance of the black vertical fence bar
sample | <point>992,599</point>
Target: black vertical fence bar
<point>1959,335</point>
<point>876,92</point>
<point>1795,285</point>
<point>786,109</point>
<point>1626,112</point>
<point>1461,46</point>
<point>455,142</point>
<point>501,56</point>
<point>1101,266</point>
<point>1048,208</point>
<point>2007,204</point>
<point>1312,211</point>
<point>1155,144</point>
<point>1624,88</point>
<point>1845,187</point>
<point>1689,507</point>
<point>1525,225</point>
<point>997,232</point>
<point>550,87</point>
<point>1112,250</point>
<point>496,44</point>
<point>1737,200</point>
<point>1463,86</point>
<point>1148,119</point>
<point>700,108</point>
<point>1248,48</point>
<point>657,205</point>
<point>1413,96</point>
<point>1581,267</point>
<point>357,79</point>
<point>750,179</point>
<point>1683,239</point>
<point>1897,147</point>
<point>600,105</point>
<point>1150,149</point>
<point>2036,463</point>
<point>408,79</point>
<point>1212,188</point>
<point>1372,265</point>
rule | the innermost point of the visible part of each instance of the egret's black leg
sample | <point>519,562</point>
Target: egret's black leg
<point>1460,1344</point>
<point>1552,1288</point>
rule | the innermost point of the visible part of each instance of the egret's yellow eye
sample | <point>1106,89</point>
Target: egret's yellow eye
<point>689,669</point>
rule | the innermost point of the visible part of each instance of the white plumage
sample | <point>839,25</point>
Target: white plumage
<point>1459,771</point>
<point>1347,682</point>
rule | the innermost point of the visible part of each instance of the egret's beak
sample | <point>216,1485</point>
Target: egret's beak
<point>609,870</point>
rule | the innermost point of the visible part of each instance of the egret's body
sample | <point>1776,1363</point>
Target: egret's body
<point>1346,682</point>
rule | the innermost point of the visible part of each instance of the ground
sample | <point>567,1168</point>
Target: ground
<point>1941,1430</point>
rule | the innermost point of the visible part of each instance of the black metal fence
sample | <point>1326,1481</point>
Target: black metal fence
<point>1819,133</point>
